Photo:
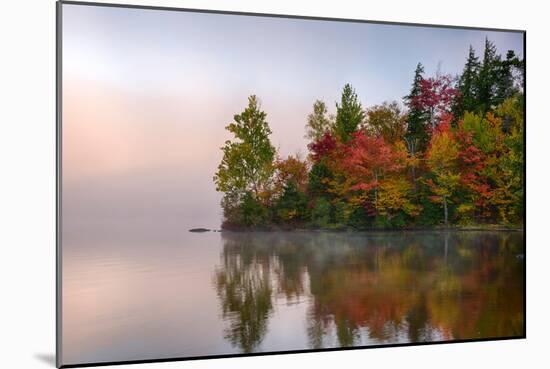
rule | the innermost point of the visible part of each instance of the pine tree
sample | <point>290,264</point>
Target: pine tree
<point>505,87</point>
<point>467,100</point>
<point>487,79</point>
<point>416,136</point>
<point>349,114</point>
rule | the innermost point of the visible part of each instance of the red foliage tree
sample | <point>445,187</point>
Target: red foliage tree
<point>435,98</point>
<point>472,162</point>
<point>366,160</point>
<point>322,147</point>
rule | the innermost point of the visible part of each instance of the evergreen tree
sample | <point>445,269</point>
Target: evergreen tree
<point>505,87</point>
<point>349,114</point>
<point>416,136</point>
<point>487,79</point>
<point>292,205</point>
<point>467,99</point>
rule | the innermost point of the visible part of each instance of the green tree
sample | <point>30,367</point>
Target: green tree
<point>252,212</point>
<point>247,163</point>
<point>246,167</point>
<point>320,214</point>
<point>467,99</point>
<point>318,122</point>
<point>416,136</point>
<point>506,87</point>
<point>318,178</point>
<point>349,114</point>
<point>487,79</point>
<point>291,206</point>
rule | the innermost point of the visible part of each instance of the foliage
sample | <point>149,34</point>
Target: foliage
<point>394,197</point>
<point>416,135</point>
<point>436,97</point>
<point>318,122</point>
<point>442,157</point>
<point>291,206</point>
<point>290,170</point>
<point>349,114</point>
<point>247,163</point>
<point>319,178</point>
<point>466,100</point>
<point>454,156</point>
<point>252,211</point>
<point>323,147</point>
<point>387,120</point>
<point>320,213</point>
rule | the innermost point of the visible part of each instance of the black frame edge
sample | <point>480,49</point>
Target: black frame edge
<point>290,352</point>
<point>58,178</point>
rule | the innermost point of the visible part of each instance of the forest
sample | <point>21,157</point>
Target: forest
<point>449,154</point>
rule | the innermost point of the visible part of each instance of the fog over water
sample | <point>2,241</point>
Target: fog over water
<point>147,94</point>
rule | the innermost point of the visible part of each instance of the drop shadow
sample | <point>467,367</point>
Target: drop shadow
<point>46,358</point>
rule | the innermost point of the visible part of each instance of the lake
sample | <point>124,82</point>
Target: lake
<point>171,293</point>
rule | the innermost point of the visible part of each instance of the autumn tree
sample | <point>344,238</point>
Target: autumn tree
<point>395,197</point>
<point>497,179</point>
<point>386,120</point>
<point>320,174</point>
<point>289,188</point>
<point>349,114</point>
<point>247,163</point>
<point>292,169</point>
<point>318,122</point>
<point>454,153</point>
<point>442,159</point>
<point>510,183</point>
<point>477,192</point>
<point>436,98</point>
<point>366,161</point>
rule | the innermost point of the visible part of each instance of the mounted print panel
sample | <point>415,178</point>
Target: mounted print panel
<point>240,184</point>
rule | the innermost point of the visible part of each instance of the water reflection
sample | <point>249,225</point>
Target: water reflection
<point>361,289</point>
<point>245,290</point>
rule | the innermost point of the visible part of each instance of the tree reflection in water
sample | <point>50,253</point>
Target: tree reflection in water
<point>244,287</point>
<point>373,288</point>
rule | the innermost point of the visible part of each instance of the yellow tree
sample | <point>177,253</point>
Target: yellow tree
<point>394,196</point>
<point>442,159</point>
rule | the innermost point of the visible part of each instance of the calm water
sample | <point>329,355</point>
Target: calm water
<point>186,294</point>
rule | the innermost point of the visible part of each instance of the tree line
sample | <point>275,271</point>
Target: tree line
<point>451,154</point>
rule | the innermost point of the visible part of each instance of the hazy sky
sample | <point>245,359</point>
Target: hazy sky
<point>147,94</point>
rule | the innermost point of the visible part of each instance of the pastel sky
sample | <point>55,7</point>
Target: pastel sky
<point>147,94</point>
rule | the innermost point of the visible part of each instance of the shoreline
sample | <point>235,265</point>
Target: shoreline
<point>469,228</point>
